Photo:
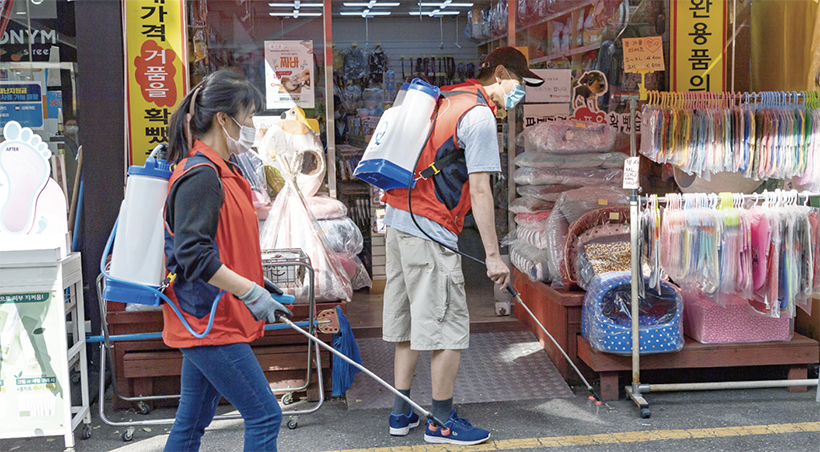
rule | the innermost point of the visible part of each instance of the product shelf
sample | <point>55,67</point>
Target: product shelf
<point>550,17</point>
<point>570,52</point>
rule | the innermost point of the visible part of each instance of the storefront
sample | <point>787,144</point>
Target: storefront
<point>116,70</point>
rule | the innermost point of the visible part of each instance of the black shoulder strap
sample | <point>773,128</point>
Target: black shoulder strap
<point>441,163</point>
<point>199,159</point>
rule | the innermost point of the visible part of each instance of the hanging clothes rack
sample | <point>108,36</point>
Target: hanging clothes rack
<point>759,135</point>
<point>636,390</point>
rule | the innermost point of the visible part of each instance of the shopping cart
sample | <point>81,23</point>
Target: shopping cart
<point>290,270</point>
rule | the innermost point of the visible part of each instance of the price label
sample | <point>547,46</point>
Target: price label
<point>632,167</point>
<point>643,54</point>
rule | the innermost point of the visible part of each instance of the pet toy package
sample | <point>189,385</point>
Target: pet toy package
<point>544,192</point>
<point>535,159</point>
<point>570,137</point>
<point>577,177</point>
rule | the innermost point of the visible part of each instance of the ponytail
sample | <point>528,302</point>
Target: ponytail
<point>178,129</point>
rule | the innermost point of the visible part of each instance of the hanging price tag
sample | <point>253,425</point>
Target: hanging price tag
<point>632,167</point>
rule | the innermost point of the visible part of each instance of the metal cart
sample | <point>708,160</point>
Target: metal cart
<point>290,269</point>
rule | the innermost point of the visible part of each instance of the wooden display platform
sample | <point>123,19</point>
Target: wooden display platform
<point>560,313</point>
<point>149,367</point>
<point>797,354</point>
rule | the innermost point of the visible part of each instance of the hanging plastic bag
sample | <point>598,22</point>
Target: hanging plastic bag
<point>290,224</point>
<point>289,138</point>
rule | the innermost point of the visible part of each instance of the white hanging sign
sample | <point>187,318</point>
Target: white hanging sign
<point>632,173</point>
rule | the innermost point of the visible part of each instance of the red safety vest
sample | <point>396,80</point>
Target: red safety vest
<point>445,197</point>
<point>237,239</point>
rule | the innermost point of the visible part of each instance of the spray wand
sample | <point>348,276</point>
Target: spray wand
<point>594,395</point>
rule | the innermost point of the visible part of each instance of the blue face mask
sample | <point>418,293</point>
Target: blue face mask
<point>512,98</point>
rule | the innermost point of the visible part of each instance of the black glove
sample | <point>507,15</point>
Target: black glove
<point>271,287</point>
<point>264,306</point>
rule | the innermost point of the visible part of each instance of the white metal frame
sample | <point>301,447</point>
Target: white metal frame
<point>68,280</point>
<point>636,390</point>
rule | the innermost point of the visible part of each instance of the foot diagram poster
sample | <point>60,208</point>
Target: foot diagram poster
<point>289,74</point>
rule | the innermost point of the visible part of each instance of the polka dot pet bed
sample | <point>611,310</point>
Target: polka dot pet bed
<point>606,319</point>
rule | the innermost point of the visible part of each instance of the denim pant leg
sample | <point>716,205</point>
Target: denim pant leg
<point>197,406</point>
<point>235,373</point>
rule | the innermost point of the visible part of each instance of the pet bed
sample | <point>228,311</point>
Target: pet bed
<point>606,320</point>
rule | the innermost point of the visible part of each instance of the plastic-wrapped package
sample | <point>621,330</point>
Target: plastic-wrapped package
<point>528,204</point>
<point>342,235</point>
<point>326,208</point>
<point>606,221</point>
<point>355,270</point>
<point>606,318</point>
<point>533,220</point>
<point>533,159</point>
<point>290,224</point>
<point>571,206</point>
<point>570,137</point>
<point>602,249</point>
<point>578,177</point>
<point>530,261</point>
<point>544,192</point>
<point>253,168</point>
<point>536,237</point>
<point>709,323</point>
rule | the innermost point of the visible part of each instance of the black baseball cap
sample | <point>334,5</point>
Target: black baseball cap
<point>515,62</point>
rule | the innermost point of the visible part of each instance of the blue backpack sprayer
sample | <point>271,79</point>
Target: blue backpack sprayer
<point>387,164</point>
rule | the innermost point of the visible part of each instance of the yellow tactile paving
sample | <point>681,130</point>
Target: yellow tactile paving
<point>607,438</point>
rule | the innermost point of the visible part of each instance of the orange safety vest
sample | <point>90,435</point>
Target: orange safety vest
<point>444,197</point>
<point>237,240</point>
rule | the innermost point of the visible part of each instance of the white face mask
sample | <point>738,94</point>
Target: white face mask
<point>72,130</point>
<point>246,137</point>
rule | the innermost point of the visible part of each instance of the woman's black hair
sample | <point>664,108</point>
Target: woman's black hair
<point>222,91</point>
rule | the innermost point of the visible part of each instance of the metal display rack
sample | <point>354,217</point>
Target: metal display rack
<point>291,270</point>
<point>636,390</point>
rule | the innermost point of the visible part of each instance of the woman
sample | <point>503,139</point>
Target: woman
<point>212,244</point>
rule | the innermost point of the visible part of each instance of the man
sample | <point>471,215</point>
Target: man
<point>425,305</point>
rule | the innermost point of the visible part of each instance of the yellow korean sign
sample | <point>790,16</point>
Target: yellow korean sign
<point>698,49</point>
<point>155,59</point>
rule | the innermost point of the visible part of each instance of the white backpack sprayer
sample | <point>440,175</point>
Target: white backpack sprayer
<point>137,262</point>
<point>392,156</point>
<point>137,266</point>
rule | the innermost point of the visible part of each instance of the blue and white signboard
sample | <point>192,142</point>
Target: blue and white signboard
<point>21,102</point>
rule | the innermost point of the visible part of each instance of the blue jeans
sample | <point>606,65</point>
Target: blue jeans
<point>212,371</point>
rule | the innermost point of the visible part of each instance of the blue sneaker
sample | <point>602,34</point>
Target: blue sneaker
<point>400,424</point>
<point>455,431</point>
